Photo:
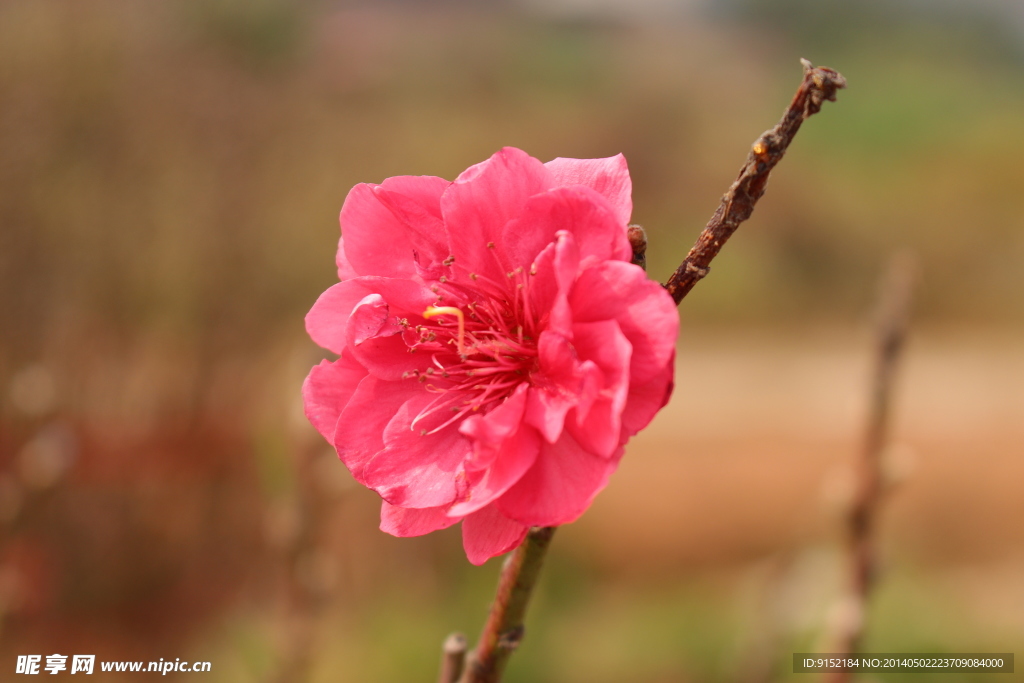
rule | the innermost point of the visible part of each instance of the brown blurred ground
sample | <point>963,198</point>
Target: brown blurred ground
<point>170,177</point>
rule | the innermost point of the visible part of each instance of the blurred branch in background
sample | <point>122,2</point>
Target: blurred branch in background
<point>861,560</point>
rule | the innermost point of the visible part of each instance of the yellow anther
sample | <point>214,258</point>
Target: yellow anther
<point>433,311</point>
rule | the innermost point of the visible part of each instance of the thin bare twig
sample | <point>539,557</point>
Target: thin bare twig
<point>819,84</point>
<point>454,658</point>
<point>862,516</point>
<point>504,628</point>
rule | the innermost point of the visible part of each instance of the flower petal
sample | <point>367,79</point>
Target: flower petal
<point>559,486</point>
<point>388,358</point>
<point>488,533</point>
<point>359,432</point>
<point>375,222</point>
<point>556,386</point>
<point>551,280</point>
<point>328,319</point>
<point>404,522</point>
<point>481,201</point>
<point>579,210</point>
<point>602,343</point>
<point>644,310</point>
<point>504,449</point>
<point>608,176</point>
<point>416,202</point>
<point>345,269</point>
<point>489,432</point>
<point>328,389</point>
<point>418,468</point>
<point>645,400</point>
<point>512,461</point>
<point>370,318</point>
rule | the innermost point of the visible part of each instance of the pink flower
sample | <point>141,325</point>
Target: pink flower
<point>497,347</point>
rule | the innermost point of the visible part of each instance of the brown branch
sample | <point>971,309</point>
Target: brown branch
<point>819,84</point>
<point>893,316</point>
<point>454,658</point>
<point>504,628</point>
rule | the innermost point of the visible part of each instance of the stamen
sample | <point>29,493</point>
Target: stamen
<point>433,311</point>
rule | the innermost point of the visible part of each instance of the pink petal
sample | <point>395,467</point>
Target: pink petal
<point>481,201</point>
<point>488,533</point>
<point>370,318</point>
<point>345,269</point>
<point>511,462</point>
<point>359,432</point>
<point>418,468</point>
<point>560,485</point>
<point>598,430</point>
<point>327,390</point>
<point>489,432</point>
<point>327,321</point>
<point>374,340</point>
<point>609,177</point>
<point>556,387</point>
<point>644,310</point>
<point>404,522</point>
<point>579,210</point>
<point>389,358</point>
<point>551,279</point>
<point>502,444</point>
<point>416,201</point>
<point>382,233</point>
<point>645,400</point>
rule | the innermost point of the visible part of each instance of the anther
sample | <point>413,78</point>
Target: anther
<point>490,245</point>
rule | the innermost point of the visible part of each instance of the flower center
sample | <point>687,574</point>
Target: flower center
<point>479,352</point>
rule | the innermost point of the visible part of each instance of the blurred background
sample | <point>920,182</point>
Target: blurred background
<point>170,179</point>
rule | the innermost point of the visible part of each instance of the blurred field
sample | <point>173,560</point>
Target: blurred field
<point>170,177</point>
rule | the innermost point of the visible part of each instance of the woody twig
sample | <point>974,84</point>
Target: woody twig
<point>504,628</point>
<point>819,84</point>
